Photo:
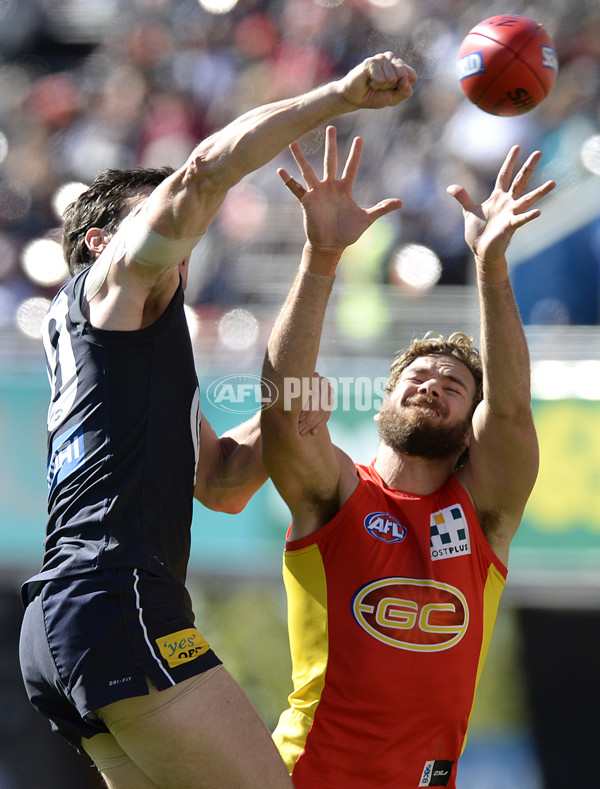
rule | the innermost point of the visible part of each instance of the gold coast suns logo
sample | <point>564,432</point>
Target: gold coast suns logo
<point>419,615</point>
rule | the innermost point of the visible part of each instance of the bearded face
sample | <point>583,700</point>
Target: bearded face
<point>419,427</point>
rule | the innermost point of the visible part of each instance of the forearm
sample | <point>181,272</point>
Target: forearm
<point>193,195</point>
<point>382,80</point>
<point>254,138</point>
<point>238,471</point>
<point>504,351</point>
<point>293,345</point>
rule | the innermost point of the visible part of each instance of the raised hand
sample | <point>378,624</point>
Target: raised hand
<point>332,219</point>
<point>490,226</point>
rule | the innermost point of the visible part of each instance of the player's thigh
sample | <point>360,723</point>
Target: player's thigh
<point>202,734</point>
<point>115,767</point>
<point>127,776</point>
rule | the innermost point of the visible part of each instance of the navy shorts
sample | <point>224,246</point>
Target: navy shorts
<point>87,641</point>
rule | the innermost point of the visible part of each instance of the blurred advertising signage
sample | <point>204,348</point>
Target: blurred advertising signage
<point>561,525</point>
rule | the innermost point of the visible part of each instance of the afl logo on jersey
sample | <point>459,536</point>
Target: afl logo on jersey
<point>419,615</point>
<point>384,527</point>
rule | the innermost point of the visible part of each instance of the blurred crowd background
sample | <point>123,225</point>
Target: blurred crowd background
<point>86,85</point>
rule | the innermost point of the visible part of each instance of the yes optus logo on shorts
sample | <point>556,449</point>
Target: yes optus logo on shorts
<point>419,615</point>
<point>182,646</point>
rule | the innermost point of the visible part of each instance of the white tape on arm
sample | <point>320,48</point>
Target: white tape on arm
<point>149,248</point>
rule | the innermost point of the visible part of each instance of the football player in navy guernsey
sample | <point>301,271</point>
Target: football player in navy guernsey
<point>394,570</point>
<point>110,652</point>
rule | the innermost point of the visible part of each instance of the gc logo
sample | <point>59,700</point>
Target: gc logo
<point>419,615</point>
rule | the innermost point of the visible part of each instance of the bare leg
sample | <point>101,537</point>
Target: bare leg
<point>115,767</point>
<point>127,775</point>
<point>207,737</point>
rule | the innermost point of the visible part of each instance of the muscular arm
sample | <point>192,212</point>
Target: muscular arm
<point>304,468</point>
<point>312,475</point>
<point>503,454</point>
<point>187,202</point>
<point>230,467</point>
<point>183,206</point>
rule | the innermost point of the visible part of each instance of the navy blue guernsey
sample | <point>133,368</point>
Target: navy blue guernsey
<point>123,431</point>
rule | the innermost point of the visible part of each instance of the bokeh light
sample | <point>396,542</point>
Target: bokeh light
<point>590,154</point>
<point>238,329</point>
<point>30,315</point>
<point>416,266</point>
<point>43,262</point>
<point>65,195</point>
<point>218,6</point>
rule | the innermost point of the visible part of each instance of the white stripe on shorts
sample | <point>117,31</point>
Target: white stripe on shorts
<point>141,618</point>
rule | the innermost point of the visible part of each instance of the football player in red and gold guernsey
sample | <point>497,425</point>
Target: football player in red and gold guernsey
<point>394,571</point>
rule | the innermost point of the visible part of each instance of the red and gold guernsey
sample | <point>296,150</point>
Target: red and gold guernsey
<point>391,607</point>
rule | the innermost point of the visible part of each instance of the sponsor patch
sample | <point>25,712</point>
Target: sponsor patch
<point>449,533</point>
<point>67,455</point>
<point>436,773</point>
<point>383,526</point>
<point>182,646</point>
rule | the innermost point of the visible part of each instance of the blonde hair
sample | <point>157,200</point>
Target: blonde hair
<point>457,345</point>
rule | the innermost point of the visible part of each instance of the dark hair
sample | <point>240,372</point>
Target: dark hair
<point>457,345</point>
<point>104,204</point>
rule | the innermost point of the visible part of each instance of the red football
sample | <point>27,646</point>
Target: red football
<point>507,64</point>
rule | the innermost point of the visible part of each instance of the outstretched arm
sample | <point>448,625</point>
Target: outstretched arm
<point>187,202</point>
<point>152,245</point>
<point>503,454</point>
<point>312,476</point>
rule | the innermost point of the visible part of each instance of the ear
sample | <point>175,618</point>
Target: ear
<point>96,240</point>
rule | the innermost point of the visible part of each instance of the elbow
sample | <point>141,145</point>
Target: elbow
<point>230,507</point>
<point>234,509</point>
<point>211,170</point>
<point>232,502</point>
<point>228,504</point>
